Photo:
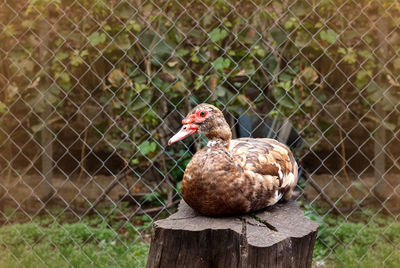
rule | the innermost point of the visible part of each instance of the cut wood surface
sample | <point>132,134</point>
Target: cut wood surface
<point>279,236</point>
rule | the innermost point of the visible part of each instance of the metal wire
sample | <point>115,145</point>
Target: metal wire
<point>91,91</point>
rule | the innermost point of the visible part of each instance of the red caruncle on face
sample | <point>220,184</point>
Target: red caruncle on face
<point>190,125</point>
<point>197,117</point>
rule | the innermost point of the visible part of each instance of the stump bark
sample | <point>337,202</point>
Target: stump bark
<point>279,236</point>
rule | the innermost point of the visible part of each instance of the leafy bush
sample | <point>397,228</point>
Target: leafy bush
<point>139,63</point>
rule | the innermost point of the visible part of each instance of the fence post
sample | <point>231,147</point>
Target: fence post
<point>380,134</point>
<point>46,189</point>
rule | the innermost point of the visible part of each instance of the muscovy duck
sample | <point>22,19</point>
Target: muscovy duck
<point>230,177</point>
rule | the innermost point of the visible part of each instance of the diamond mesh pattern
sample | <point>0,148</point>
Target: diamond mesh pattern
<point>93,89</point>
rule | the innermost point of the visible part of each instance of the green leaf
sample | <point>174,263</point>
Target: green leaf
<point>318,25</point>
<point>309,76</point>
<point>84,53</point>
<point>302,39</point>
<point>195,59</point>
<point>261,52</point>
<point>217,35</point>
<point>64,80</point>
<point>221,63</point>
<point>117,78</point>
<point>142,101</point>
<point>37,128</point>
<point>64,76</point>
<point>198,83</point>
<point>283,98</point>
<point>140,79</point>
<point>3,108</point>
<point>285,77</point>
<point>291,23</point>
<point>135,161</point>
<point>76,61</point>
<point>362,78</point>
<point>123,41</point>
<point>221,91</point>
<point>77,57</point>
<point>97,38</point>
<point>61,56</point>
<point>330,35</point>
<point>389,126</point>
<point>139,87</point>
<point>161,49</point>
<point>179,87</point>
<point>285,85</point>
<point>349,55</point>
<point>8,30</point>
<point>147,147</point>
<point>179,186</point>
<point>366,54</point>
<point>279,35</point>
<point>182,52</point>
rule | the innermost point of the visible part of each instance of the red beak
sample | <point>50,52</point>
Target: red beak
<point>186,130</point>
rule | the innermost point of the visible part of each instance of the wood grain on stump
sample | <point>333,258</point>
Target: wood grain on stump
<point>279,236</point>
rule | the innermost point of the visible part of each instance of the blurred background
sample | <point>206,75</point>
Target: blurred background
<point>91,91</point>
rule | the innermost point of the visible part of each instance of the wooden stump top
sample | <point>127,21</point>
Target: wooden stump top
<point>279,236</point>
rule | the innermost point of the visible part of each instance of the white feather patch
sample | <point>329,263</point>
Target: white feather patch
<point>278,195</point>
<point>279,170</point>
<point>280,148</point>
<point>288,179</point>
<point>212,143</point>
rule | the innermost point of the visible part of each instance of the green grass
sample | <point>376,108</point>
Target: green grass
<point>365,240</point>
<point>68,245</point>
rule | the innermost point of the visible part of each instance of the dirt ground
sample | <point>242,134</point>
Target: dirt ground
<point>26,192</point>
<point>357,192</point>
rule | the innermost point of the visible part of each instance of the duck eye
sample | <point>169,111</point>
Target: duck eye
<point>203,113</point>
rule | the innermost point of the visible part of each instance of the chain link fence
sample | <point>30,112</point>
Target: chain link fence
<point>92,90</point>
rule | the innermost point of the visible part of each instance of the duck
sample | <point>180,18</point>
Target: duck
<point>233,176</point>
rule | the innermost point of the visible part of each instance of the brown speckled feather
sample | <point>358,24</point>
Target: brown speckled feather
<point>269,165</point>
<point>210,184</point>
<point>249,175</point>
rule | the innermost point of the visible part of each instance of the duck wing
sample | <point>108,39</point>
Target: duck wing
<point>269,168</point>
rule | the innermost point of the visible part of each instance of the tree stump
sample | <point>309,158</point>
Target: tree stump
<point>279,236</point>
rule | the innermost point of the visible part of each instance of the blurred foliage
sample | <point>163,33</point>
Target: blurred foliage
<point>136,61</point>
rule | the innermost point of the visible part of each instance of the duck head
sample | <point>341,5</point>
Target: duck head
<point>205,119</point>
